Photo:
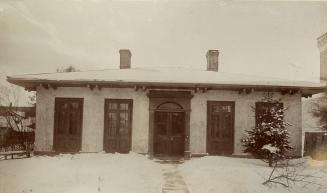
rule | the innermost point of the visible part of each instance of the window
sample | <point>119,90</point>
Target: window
<point>68,124</point>
<point>220,127</point>
<point>118,121</point>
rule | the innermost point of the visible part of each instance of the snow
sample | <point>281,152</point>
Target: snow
<point>91,173</point>
<point>124,173</point>
<point>214,174</point>
<point>270,148</point>
<point>163,75</point>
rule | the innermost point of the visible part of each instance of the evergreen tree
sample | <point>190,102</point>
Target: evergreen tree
<point>269,139</point>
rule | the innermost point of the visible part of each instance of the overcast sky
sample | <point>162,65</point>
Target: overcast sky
<point>275,39</point>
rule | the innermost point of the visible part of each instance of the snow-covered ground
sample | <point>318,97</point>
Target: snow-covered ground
<point>215,174</point>
<point>125,173</point>
<point>89,173</point>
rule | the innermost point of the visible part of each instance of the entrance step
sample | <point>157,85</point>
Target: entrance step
<point>169,160</point>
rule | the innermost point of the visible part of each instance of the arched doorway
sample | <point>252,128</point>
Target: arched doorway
<point>169,130</point>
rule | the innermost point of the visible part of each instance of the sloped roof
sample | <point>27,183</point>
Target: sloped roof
<point>168,76</point>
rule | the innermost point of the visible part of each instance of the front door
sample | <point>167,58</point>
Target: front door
<point>169,133</point>
<point>118,125</point>
<point>220,128</point>
<point>68,124</point>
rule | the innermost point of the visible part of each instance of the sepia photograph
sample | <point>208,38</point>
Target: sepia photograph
<point>163,96</point>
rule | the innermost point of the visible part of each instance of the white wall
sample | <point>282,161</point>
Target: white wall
<point>93,116</point>
<point>92,132</point>
<point>244,117</point>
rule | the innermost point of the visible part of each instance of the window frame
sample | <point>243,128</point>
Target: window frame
<point>117,112</point>
<point>210,105</point>
<point>56,117</point>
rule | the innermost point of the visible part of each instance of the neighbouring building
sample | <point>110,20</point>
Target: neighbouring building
<point>314,130</point>
<point>311,123</point>
<point>9,129</point>
<point>169,111</point>
<point>322,45</point>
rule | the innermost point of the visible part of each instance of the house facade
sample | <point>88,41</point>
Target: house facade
<point>160,112</point>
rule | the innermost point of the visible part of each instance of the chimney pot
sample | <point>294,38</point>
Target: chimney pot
<point>125,58</point>
<point>212,60</point>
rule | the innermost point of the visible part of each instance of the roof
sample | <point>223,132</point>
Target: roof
<point>161,76</point>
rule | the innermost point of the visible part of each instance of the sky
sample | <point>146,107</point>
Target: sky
<point>273,39</point>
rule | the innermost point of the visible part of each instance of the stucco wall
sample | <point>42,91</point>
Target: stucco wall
<point>93,116</point>
<point>92,131</point>
<point>244,117</point>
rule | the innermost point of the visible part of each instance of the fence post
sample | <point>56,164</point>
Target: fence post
<point>12,149</point>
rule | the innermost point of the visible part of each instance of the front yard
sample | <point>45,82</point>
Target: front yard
<point>89,173</point>
<point>124,173</point>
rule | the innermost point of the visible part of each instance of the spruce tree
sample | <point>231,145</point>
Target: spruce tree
<point>269,140</point>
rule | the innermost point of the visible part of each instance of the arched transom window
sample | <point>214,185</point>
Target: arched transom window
<point>169,106</point>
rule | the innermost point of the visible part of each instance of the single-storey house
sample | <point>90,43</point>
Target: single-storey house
<point>164,112</point>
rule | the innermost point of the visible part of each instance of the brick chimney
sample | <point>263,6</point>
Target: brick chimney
<point>212,60</point>
<point>125,58</point>
<point>322,45</point>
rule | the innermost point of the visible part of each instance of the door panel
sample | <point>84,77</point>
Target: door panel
<point>169,133</point>
<point>68,124</point>
<point>220,131</point>
<point>117,127</point>
<point>177,133</point>
<point>161,136</point>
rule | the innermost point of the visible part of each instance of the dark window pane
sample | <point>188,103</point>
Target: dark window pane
<point>113,106</point>
<point>227,108</point>
<point>112,119</point>
<point>75,105</point>
<point>68,120</point>
<point>123,127</point>
<point>61,122</point>
<point>118,118</point>
<point>161,117</point>
<point>123,106</point>
<point>216,108</point>
<point>177,123</point>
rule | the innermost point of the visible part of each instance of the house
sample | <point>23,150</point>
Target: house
<point>310,122</point>
<point>314,130</point>
<point>160,112</point>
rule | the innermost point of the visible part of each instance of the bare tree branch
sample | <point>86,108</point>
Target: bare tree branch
<point>288,174</point>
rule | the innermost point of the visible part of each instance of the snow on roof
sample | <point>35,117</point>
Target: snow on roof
<point>161,75</point>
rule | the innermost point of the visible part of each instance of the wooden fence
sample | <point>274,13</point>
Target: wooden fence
<point>315,145</point>
<point>16,143</point>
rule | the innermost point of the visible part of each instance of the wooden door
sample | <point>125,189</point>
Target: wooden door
<point>220,128</point>
<point>118,125</point>
<point>68,124</point>
<point>169,133</point>
<point>177,133</point>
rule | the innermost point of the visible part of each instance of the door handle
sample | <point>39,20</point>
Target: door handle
<point>171,138</point>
